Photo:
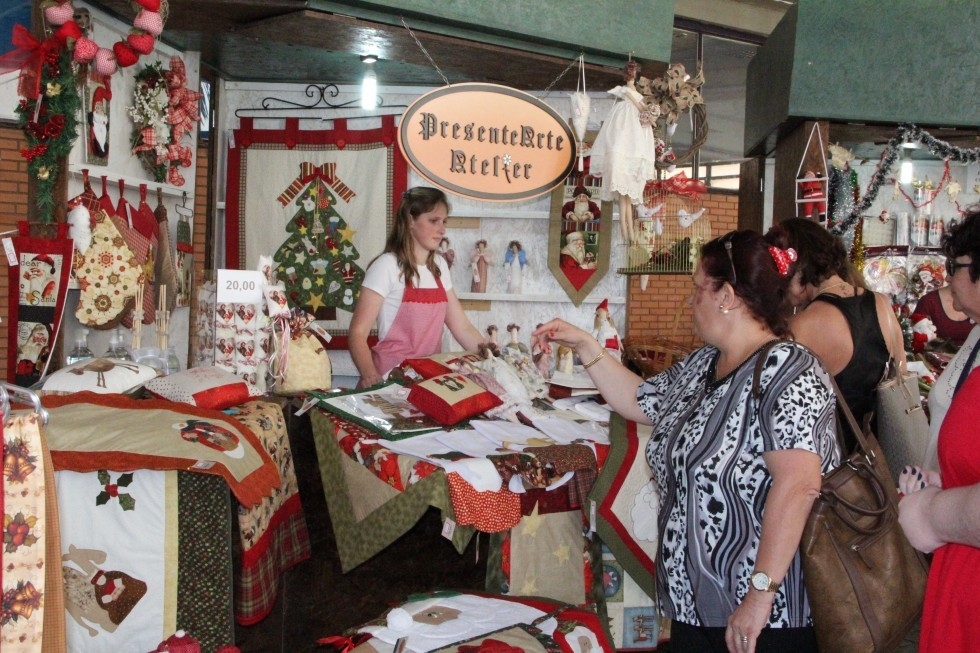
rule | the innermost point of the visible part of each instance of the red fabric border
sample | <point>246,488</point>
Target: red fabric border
<point>289,137</point>
<point>605,507</point>
<point>249,492</point>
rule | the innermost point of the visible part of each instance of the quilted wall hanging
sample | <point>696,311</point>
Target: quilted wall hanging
<point>320,203</point>
<point>36,307</point>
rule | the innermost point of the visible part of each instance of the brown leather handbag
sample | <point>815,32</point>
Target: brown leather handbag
<point>864,580</point>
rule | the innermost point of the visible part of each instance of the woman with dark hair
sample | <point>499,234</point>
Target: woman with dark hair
<point>737,461</point>
<point>939,510</point>
<point>408,292</point>
<point>852,330</point>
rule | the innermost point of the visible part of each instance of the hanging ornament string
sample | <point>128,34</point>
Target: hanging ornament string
<point>147,26</point>
<point>906,133</point>
<point>933,194</point>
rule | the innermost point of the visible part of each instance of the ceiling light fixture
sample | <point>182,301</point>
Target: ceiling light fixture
<point>369,85</point>
<point>906,171</point>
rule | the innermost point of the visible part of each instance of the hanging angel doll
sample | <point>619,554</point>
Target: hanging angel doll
<point>624,153</point>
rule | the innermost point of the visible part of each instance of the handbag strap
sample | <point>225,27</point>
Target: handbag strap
<point>969,366</point>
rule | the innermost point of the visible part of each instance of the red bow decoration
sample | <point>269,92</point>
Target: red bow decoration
<point>29,56</point>
<point>783,258</point>
<point>307,173</point>
<point>184,111</point>
<point>679,184</point>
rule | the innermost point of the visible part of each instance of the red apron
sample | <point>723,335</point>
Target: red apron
<point>416,330</point>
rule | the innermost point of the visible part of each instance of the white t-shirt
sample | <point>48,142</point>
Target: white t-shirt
<point>941,395</point>
<point>384,278</point>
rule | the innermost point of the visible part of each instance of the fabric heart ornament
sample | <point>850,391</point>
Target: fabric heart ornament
<point>141,42</point>
<point>68,32</point>
<point>149,21</point>
<point>125,56</point>
<point>105,61</point>
<point>85,50</point>
<point>149,5</point>
<point>59,14</point>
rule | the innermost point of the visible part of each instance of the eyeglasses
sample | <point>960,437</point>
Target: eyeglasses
<point>952,266</point>
<point>731,260</point>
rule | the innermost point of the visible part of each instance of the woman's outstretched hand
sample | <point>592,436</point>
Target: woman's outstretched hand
<point>559,331</point>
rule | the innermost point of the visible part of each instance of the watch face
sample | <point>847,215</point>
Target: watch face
<point>760,581</point>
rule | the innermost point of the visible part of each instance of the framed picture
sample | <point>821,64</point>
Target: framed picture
<point>96,96</point>
<point>580,232</point>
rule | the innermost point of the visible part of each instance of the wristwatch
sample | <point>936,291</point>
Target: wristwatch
<point>761,581</point>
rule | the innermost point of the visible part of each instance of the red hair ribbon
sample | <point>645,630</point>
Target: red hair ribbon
<point>783,258</point>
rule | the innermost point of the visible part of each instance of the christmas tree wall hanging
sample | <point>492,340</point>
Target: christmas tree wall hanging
<point>318,261</point>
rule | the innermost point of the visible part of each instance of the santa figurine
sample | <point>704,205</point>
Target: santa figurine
<point>813,199</point>
<point>923,331</point>
<point>605,331</point>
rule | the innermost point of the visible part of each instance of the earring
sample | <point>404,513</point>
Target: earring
<point>724,311</point>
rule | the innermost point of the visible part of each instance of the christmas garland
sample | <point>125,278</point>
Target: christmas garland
<point>147,26</point>
<point>907,133</point>
<point>48,121</point>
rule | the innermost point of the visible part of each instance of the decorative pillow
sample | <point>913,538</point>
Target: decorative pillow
<point>425,367</point>
<point>451,398</point>
<point>100,375</point>
<point>206,387</point>
<point>442,363</point>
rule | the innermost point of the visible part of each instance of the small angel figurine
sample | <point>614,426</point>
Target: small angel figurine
<point>515,260</point>
<point>479,263</point>
<point>446,252</point>
<point>514,330</point>
<point>492,343</point>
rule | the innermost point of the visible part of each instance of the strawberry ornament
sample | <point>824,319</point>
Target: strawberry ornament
<point>149,21</point>
<point>125,56</point>
<point>85,49</point>
<point>105,62</point>
<point>141,42</point>
<point>58,13</point>
<point>68,33</point>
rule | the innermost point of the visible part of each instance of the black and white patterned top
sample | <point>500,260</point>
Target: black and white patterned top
<point>706,455</point>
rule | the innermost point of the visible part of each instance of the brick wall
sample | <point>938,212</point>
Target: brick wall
<point>13,208</point>
<point>201,217</point>
<point>661,309</point>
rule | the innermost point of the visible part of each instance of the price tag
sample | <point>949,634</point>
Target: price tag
<point>8,247</point>
<point>240,286</point>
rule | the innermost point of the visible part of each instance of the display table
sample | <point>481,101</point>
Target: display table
<point>374,496</point>
<point>123,455</point>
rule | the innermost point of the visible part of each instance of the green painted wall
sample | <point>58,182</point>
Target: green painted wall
<point>608,28</point>
<point>867,61</point>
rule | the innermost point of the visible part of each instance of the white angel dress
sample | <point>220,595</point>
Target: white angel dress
<point>624,153</point>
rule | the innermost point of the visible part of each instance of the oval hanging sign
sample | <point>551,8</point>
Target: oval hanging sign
<point>487,142</point>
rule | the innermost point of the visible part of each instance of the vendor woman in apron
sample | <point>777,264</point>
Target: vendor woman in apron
<point>408,292</point>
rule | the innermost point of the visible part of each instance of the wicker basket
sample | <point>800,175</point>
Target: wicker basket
<point>650,356</point>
